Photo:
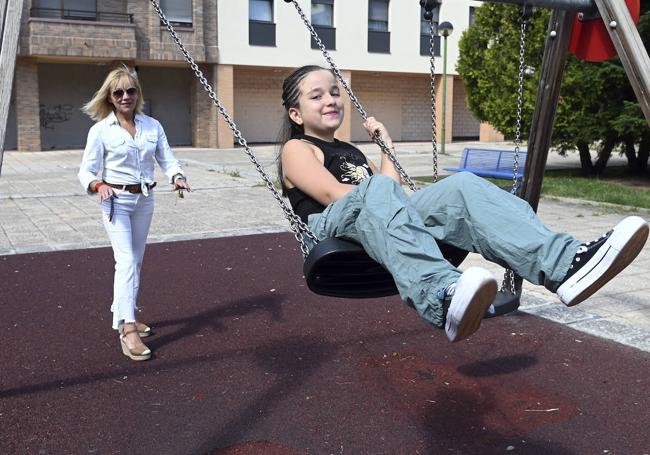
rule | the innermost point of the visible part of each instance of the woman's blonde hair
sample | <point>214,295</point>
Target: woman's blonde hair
<point>98,108</point>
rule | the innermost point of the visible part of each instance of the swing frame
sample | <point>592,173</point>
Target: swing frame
<point>545,108</point>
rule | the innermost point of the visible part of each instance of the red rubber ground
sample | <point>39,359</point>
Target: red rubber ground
<point>249,362</point>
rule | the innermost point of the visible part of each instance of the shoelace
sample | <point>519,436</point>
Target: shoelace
<point>445,294</point>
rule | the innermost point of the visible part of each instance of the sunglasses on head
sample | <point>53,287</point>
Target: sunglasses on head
<point>119,93</point>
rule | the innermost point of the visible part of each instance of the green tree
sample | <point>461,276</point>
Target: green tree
<point>597,108</point>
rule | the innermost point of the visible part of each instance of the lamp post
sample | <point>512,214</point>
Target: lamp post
<point>445,29</point>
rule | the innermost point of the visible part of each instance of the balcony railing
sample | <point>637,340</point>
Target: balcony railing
<point>80,15</point>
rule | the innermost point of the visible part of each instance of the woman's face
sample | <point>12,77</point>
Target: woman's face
<point>123,97</point>
<point>320,107</point>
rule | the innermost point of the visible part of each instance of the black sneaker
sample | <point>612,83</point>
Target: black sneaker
<point>599,261</point>
<point>471,296</point>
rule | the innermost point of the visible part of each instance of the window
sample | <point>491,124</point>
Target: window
<point>67,9</point>
<point>322,18</point>
<point>378,15</point>
<point>472,15</point>
<point>260,10</point>
<point>177,12</point>
<point>261,29</point>
<point>425,34</point>
<point>49,4</point>
<point>322,12</point>
<point>378,34</point>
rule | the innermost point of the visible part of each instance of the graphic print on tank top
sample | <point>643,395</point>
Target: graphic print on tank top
<point>353,173</point>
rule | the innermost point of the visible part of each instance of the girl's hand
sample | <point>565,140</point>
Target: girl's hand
<point>372,126</point>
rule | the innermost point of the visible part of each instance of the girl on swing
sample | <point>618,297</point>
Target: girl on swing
<point>338,192</point>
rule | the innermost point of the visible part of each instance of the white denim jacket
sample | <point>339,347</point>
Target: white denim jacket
<point>125,160</point>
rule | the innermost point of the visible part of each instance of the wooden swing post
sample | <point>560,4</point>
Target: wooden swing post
<point>628,44</point>
<point>548,96</point>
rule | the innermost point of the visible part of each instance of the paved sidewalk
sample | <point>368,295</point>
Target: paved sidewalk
<point>43,208</point>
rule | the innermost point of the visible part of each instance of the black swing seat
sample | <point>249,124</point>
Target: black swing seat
<point>337,267</point>
<point>505,302</point>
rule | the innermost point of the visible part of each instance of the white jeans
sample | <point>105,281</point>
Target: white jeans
<point>127,232</point>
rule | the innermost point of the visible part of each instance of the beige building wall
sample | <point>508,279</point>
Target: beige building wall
<point>381,97</point>
<point>416,108</point>
<point>465,125</point>
<point>258,102</point>
<point>225,91</point>
<point>393,87</point>
<point>293,45</point>
<point>27,106</point>
<point>489,134</point>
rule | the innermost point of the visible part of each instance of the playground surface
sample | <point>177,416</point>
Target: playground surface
<point>247,361</point>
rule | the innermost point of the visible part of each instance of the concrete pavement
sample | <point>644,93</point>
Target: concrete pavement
<point>43,208</point>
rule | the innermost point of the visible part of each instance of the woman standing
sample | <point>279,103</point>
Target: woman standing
<point>123,145</point>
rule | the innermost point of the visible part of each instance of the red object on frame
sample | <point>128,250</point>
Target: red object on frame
<point>590,40</point>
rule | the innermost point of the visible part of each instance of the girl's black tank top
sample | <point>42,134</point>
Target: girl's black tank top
<point>343,160</point>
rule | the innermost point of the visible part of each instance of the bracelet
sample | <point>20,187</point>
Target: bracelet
<point>180,177</point>
<point>97,186</point>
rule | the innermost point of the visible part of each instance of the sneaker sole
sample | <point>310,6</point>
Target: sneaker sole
<point>622,247</point>
<point>483,287</point>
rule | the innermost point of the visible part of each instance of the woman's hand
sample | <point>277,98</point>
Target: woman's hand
<point>372,126</point>
<point>181,184</point>
<point>104,191</point>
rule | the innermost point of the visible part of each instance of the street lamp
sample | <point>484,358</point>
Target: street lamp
<point>445,29</point>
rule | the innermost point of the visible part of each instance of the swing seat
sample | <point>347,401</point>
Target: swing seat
<point>504,302</point>
<point>337,267</point>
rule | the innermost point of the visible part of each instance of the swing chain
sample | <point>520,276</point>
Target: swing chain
<point>434,138</point>
<point>298,227</point>
<point>520,100</point>
<point>509,277</point>
<point>377,137</point>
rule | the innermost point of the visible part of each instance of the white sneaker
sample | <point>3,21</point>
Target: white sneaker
<point>599,261</point>
<point>474,292</point>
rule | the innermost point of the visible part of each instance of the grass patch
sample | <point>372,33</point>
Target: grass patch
<point>615,186</point>
<point>597,190</point>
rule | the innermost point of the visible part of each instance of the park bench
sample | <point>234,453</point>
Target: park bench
<point>498,164</point>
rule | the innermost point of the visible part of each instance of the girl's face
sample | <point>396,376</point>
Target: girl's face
<point>320,107</point>
<point>123,97</point>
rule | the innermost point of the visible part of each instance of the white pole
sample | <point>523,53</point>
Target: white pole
<point>12,11</point>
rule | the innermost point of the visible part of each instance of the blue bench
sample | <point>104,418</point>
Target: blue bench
<point>498,164</point>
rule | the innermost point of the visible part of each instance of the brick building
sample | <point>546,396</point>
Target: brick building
<point>244,48</point>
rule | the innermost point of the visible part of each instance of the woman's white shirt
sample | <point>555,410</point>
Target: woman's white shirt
<point>127,160</point>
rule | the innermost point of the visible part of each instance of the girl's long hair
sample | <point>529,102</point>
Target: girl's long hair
<point>290,98</point>
<point>98,108</point>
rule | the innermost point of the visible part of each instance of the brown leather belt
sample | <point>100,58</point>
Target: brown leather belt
<point>135,188</point>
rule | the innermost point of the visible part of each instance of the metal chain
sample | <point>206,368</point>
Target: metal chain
<point>297,225</point>
<point>353,98</point>
<point>509,276</point>
<point>520,101</point>
<point>434,138</point>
